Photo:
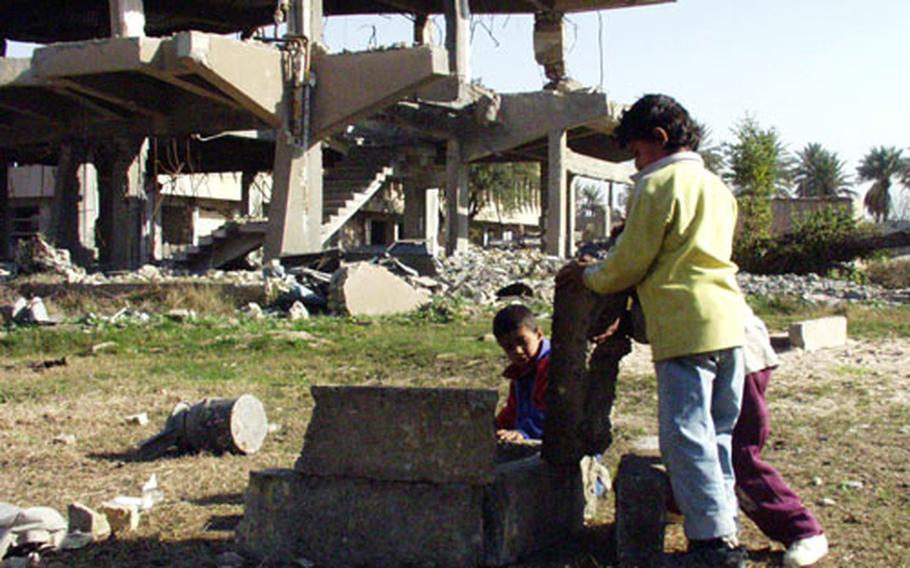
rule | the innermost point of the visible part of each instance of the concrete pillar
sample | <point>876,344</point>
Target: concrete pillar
<point>431,220</point>
<point>295,210</point>
<point>246,185</point>
<point>122,189</point>
<point>127,18</point>
<point>572,209</point>
<point>557,193</point>
<point>423,29</point>
<point>414,210</point>
<point>458,41</point>
<point>457,197</point>
<point>65,205</point>
<point>5,225</point>
<point>87,177</point>
<point>549,45</point>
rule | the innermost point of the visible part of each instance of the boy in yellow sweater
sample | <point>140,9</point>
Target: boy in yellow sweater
<point>675,250</point>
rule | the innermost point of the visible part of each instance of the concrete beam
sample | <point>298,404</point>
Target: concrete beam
<point>586,166</point>
<point>383,77</point>
<point>524,117</point>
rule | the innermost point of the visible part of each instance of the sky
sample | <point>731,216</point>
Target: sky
<point>832,72</point>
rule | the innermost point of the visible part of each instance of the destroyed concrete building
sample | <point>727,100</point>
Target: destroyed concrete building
<point>132,91</point>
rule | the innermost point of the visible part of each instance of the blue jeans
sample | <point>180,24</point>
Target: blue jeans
<point>699,398</point>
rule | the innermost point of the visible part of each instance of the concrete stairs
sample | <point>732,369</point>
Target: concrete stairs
<point>346,188</point>
<point>351,183</point>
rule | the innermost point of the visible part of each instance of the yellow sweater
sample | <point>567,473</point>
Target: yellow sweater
<point>676,249</point>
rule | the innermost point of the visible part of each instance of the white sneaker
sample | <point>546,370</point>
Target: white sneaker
<point>806,551</point>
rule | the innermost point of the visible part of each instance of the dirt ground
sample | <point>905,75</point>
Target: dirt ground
<point>841,437</point>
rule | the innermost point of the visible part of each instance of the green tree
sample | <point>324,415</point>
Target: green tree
<point>509,187</point>
<point>758,170</point>
<point>882,166</point>
<point>819,173</point>
<point>711,153</point>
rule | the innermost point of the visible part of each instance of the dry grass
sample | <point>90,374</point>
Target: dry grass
<point>839,415</point>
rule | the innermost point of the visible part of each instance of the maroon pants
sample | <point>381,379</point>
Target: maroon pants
<point>763,494</point>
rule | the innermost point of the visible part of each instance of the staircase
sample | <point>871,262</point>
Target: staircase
<point>351,183</point>
<point>345,189</point>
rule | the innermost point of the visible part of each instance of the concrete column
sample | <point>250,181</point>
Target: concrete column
<point>65,205</point>
<point>457,197</point>
<point>414,210</point>
<point>122,204</point>
<point>458,40</point>
<point>246,185</point>
<point>572,208</point>
<point>127,18</point>
<point>87,177</point>
<point>431,220</point>
<point>5,228</point>
<point>423,29</point>
<point>295,210</point>
<point>152,241</point>
<point>557,193</point>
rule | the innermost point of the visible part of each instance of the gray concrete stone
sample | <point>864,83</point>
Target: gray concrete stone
<point>401,434</point>
<point>364,289</point>
<point>358,522</point>
<point>87,520</point>
<point>530,506</point>
<point>642,487</point>
<point>819,333</point>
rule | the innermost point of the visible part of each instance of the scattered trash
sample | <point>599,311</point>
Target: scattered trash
<point>106,346</point>
<point>827,502</point>
<point>518,289</point>
<point>47,364</point>
<point>215,425</point>
<point>274,428</point>
<point>26,531</point>
<point>180,315</point>
<point>122,518</point>
<point>140,419</point>
<point>304,563</point>
<point>65,439</point>
<point>852,484</point>
<point>253,310</point>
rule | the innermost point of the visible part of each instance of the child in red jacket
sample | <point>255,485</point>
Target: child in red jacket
<point>528,351</point>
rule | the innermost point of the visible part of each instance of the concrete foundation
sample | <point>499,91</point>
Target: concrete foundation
<point>335,521</point>
<point>530,506</point>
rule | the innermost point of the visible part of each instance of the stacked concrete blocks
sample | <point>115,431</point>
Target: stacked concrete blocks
<point>395,477</point>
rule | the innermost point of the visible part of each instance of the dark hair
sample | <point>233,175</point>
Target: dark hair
<point>659,111</point>
<point>511,318</point>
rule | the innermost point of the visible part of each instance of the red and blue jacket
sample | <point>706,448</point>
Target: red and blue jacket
<point>525,409</point>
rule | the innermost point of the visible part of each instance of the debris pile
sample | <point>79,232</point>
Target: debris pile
<point>35,255</point>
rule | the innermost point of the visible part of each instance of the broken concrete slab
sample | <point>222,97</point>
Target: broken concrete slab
<point>122,518</point>
<point>530,506</point>
<point>401,434</point>
<point>642,487</point>
<point>819,333</point>
<point>87,520</point>
<point>365,289</point>
<point>360,522</point>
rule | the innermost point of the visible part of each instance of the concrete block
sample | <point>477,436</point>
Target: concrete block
<point>359,522</point>
<point>122,518</point>
<point>819,333</point>
<point>87,520</point>
<point>642,487</point>
<point>364,289</point>
<point>531,505</point>
<point>401,434</point>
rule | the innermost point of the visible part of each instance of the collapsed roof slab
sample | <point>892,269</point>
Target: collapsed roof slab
<point>47,21</point>
<point>527,117</point>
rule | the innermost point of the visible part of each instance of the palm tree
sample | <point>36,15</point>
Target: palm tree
<point>820,172</point>
<point>880,166</point>
<point>711,153</point>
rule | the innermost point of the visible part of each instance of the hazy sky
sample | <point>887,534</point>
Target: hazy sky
<point>833,72</point>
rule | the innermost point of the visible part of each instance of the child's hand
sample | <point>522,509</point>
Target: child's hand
<point>571,274</point>
<point>513,436</point>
